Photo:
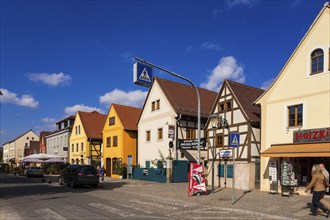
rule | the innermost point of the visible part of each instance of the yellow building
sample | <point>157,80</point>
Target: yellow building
<point>120,138</point>
<point>295,113</point>
<point>86,138</point>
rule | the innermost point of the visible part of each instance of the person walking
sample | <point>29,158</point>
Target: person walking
<point>317,184</point>
<point>326,176</point>
<point>102,172</point>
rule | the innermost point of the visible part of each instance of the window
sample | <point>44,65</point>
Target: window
<point>295,115</point>
<point>77,147</point>
<point>160,134</point>
<point>191,134</point>
<point>115,141</point>
<point>72,150</point>
<point>112,121</point>
<point>108,141</point>
<point>155,105</point>
<point>27,138</point>
<point>147,135</point>
<point>82,146</point>
<point>116,163</point>
<point>78,129</point>
<point>225,106</point>
<point>317,61</point>
<point>219,140</point>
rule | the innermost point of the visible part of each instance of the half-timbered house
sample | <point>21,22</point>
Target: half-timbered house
<point>234,112</point>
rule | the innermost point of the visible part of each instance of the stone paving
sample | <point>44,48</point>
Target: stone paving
<point>267,206</point>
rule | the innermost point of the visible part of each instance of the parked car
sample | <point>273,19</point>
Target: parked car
<point>34,171</point>
<point>76,175</point>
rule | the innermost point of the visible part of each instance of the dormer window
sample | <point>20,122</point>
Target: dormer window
<point>317,61</point>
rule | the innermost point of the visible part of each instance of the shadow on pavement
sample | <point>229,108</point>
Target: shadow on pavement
<point>21,186</point>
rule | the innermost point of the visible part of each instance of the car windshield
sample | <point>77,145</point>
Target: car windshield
<point>88,170</point>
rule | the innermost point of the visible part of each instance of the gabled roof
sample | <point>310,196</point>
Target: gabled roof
<point>128,116</point>
<point>93,123</point>
<point>183,98</point>
<point>20,136</point>
<point>67,118</point>
<point>325,7</point>
<point>245,96</point>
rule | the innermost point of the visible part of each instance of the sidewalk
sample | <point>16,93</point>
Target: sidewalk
<point>268,206</point>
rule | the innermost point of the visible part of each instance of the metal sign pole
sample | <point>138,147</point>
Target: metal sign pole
<point>233,192</point>
<point>198,102</point>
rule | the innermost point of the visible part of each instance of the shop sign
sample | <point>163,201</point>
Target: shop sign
<point>171,131</point>
<point>191,144</point>
<point>225,153</point>
<point>311,135</point>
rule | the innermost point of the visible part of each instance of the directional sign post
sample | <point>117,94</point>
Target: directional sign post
<point>234,140</point>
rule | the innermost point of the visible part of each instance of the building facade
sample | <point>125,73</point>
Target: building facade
<point>234,112</point>
<point>43,134</point>
<point>170,115</point>
<point>120,138</point>
<point>57,142</point>
<point>296,112</point>
<point>14,150</point>
<point>86,138</point>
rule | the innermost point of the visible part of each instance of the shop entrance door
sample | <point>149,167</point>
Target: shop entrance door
<point>108,167</point>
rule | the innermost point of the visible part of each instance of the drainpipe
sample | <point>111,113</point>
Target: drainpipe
<point>178,118</point>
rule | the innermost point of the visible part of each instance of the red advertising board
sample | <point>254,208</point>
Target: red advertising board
<point>197,181</point>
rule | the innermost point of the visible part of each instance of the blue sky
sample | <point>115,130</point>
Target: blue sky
<point>59,56</point>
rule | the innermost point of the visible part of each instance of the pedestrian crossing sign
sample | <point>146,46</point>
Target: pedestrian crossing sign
<point>234,139</point>
<point>142,74</point>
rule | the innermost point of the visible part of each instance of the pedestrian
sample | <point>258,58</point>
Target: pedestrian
<point>326,176</point>
<point>102,172</point>
<point>317,184</point>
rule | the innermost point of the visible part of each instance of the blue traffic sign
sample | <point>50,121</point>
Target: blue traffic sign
<point>234,139</point>
<point>142,74</point>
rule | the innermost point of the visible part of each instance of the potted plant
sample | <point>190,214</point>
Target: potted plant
<point>121,170</point>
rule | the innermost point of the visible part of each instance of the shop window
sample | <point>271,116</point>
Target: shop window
<point>191,133</point>
<point>108,141</point>
<point>116,163</point>
<point>147,135</point>
<point>112,121</point>
<point>317,61</point>
<point>160,134</point>
<point>295,116</point>
<point>115,141</point>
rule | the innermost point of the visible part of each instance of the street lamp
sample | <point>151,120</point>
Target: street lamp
<point>216,122</point>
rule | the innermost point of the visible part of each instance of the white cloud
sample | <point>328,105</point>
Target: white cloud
<point>72,110</point>
<point>210,46</point>
<point>24,100</point>
<point>227,68</point>
<point>48,120</point>
<point>53,80</point>
<point>205,46</point>
<point>134,98</point>
<point>265,85</point>
<point>233,3</point>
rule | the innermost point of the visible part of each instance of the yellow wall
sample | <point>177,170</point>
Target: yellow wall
<point>126,141</point>
<point>78,139</point>
<point>294,86</point>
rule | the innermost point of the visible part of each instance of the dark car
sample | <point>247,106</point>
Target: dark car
<point>77,175</point>
<point>34,171</point>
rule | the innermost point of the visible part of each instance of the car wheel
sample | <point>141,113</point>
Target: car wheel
<point>60,181</point>
<point>72,185</point>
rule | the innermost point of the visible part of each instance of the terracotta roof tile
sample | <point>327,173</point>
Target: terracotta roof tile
<point>93,123</point>
<point>128,116</point>
<point>246,96</point>
<point>184,100</point>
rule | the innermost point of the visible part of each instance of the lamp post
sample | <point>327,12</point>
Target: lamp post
<point>214,123</point>
<point>198,101</point>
